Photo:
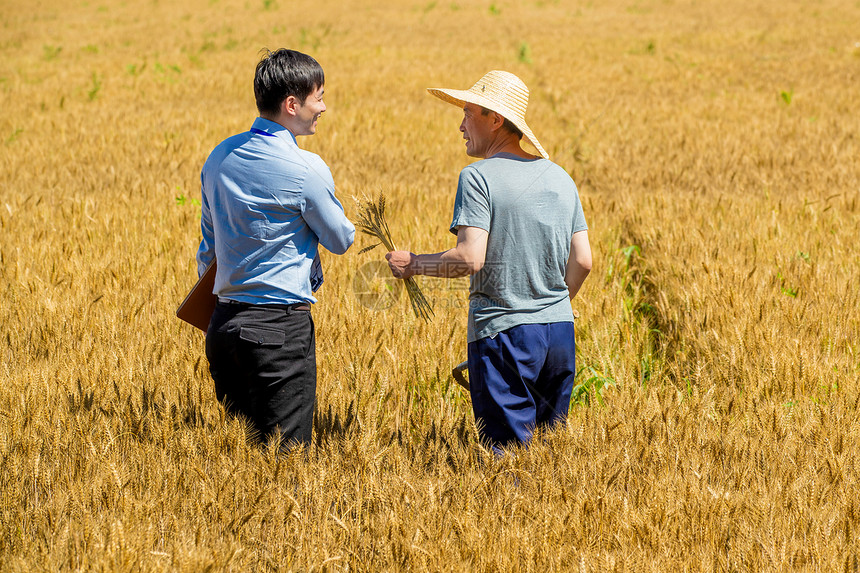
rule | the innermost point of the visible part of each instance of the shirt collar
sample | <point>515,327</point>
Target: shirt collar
<point>270,127</point>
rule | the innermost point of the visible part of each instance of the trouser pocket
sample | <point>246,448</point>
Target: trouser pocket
<point>262,336</point>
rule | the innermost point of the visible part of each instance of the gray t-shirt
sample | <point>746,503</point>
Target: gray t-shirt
<point>531,209</point>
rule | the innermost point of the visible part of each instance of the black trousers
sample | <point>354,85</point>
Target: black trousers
<point>263,361</point>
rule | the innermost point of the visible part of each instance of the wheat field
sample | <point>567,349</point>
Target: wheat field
<point>716,147</point>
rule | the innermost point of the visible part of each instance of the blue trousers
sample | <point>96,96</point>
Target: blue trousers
<point>521,379</point>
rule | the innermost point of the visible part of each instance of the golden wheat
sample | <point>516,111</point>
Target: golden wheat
<point>371,221</point>
<point>715,148</point>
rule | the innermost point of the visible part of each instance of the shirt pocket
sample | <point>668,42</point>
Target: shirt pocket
<point>265,337</point>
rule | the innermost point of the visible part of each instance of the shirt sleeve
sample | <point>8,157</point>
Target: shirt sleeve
<point>323,212</point>
<point>472,205</point>
<point>206,252</point>
<point>579,223</point>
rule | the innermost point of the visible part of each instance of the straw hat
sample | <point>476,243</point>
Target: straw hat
<point>498,91</point>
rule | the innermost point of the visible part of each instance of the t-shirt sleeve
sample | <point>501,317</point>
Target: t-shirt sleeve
<point>472,205</point>
<point>579,223</point>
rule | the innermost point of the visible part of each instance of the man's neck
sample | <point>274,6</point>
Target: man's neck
<point>508,143</point>
<point>279,119</point>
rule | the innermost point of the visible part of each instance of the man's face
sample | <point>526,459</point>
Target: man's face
<point>476,130</point>
<point>308,112</point>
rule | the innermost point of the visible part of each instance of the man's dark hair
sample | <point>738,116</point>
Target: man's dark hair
<point>509,125</point>
<point>285,73</point>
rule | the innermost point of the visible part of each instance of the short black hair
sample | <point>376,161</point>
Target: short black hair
<point>285,73</point>
<point>508,124</point>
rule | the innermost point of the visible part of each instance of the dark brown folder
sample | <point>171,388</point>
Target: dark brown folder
<point>198,306</point>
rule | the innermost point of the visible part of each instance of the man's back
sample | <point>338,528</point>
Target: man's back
<point>269,203</point>
<point>530,209</point>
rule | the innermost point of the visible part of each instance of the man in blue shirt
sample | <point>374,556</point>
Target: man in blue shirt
<point>267,206</point>
<point>523,240</point>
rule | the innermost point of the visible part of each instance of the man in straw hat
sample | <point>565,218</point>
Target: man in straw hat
<point>523,239</point>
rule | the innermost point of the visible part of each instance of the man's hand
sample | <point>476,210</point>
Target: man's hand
<point>401,263</point>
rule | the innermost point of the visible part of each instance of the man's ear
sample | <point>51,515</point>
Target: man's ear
<point>498,120</point>
<point>290,105</point>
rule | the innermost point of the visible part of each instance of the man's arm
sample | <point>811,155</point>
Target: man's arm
<point>466,258</point>
<point>206,252</point>
<point>579,262</point>
<point>323,212</point>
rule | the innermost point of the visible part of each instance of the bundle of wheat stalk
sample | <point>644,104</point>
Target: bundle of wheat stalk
<point>371,220</point>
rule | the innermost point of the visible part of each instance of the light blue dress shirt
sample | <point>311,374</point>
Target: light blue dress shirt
<point>267,206</point>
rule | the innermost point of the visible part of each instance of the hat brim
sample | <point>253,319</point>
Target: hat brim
<point>462,97</point>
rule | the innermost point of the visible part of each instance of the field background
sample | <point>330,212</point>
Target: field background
<point>715,146</point>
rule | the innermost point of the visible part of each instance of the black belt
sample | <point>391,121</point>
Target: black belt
<point>297,306</point>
